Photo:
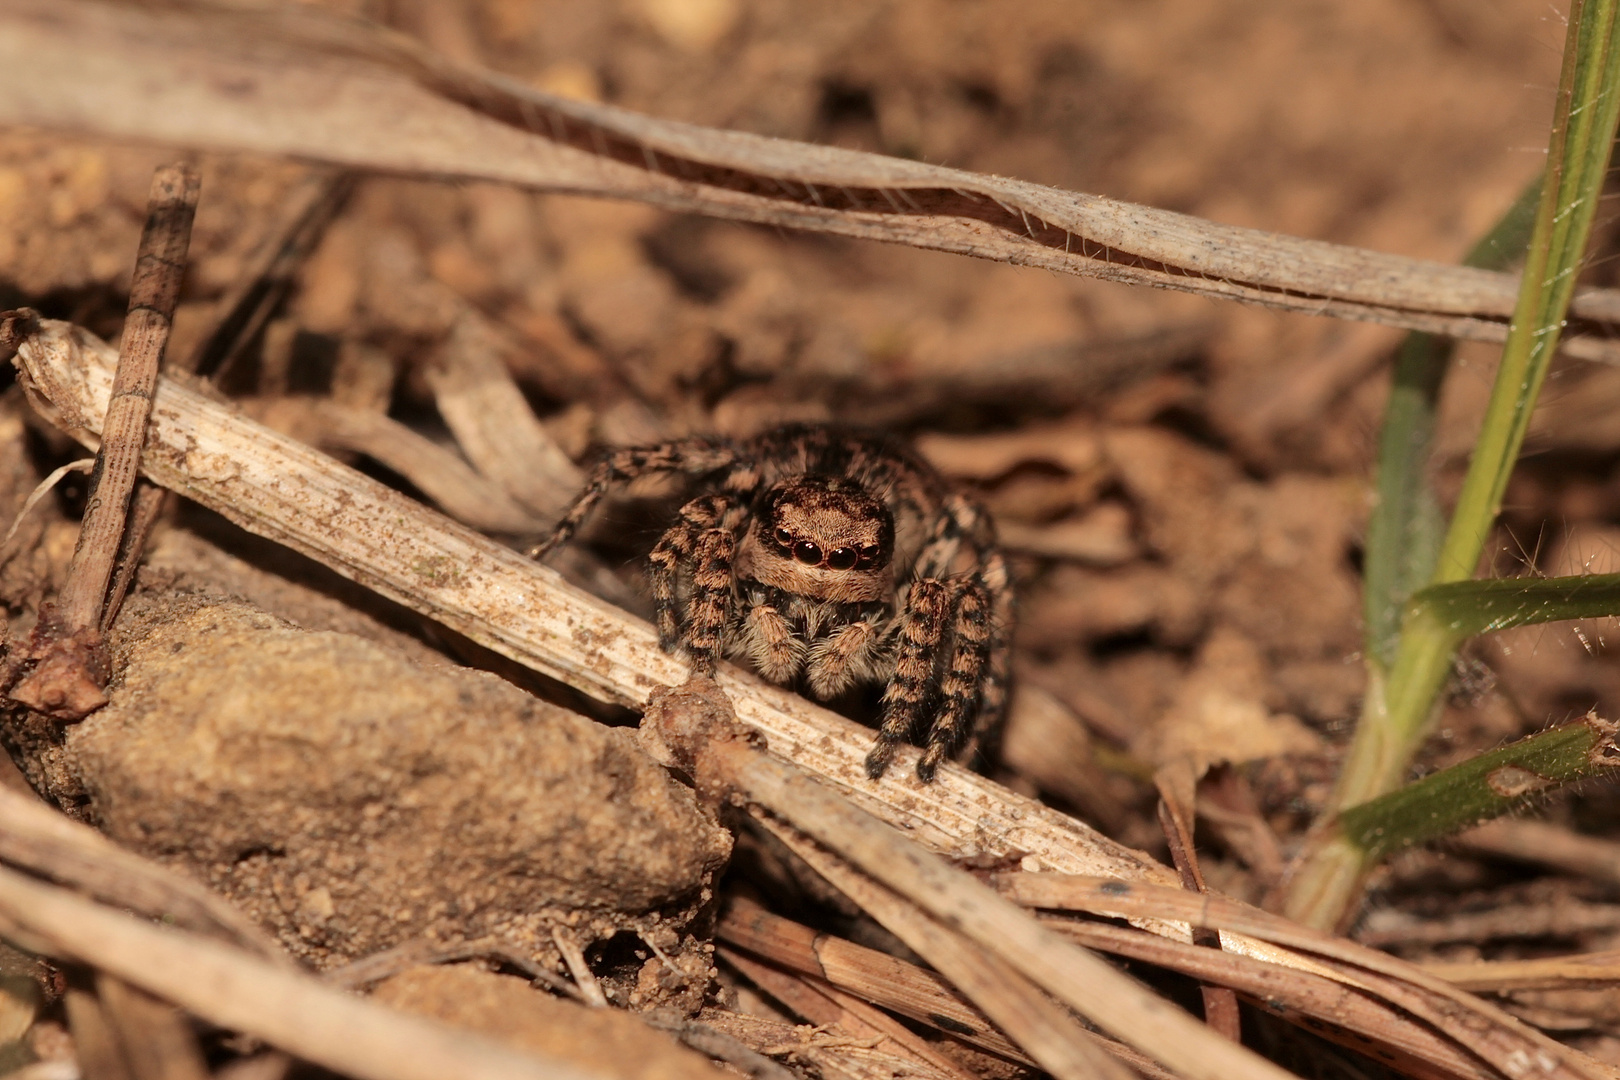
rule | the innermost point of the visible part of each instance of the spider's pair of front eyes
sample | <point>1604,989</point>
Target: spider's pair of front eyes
<point>842,558</point>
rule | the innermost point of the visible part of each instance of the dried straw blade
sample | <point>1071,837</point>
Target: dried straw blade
<point>308,84</point>
<point>241,992</point>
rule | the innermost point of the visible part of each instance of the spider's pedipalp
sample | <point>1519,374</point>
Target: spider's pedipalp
<point>922,628</point>
<point>765,636</point>
<point>852,654</point>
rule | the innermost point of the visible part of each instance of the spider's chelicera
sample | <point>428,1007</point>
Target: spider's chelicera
<point>828,557</point>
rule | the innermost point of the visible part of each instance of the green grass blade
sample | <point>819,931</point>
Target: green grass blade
<point>1481,788</point>
<point>1578,160</point>
<point>1406,526</point>
<point>1463,609</point>
<point>1397,712</point>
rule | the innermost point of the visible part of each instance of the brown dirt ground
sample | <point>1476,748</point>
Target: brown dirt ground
<point>1187,531</point>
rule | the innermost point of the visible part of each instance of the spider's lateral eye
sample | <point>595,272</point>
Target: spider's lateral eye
<point>842,558</point>
<point>807,553</point>
<point>784,538</point>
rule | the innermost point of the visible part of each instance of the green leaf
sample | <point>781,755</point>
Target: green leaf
<point>1462,609</point>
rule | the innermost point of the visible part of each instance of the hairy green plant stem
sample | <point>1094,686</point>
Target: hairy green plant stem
<point>1399,708</point>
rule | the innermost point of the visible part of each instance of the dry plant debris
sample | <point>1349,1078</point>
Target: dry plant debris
<point>1184,486</point>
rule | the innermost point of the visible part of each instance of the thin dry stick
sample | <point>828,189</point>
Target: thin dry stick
<point>239,315</point>
<point>235,990</point>
<point>1359,1019</point>
<point>1544,844</point>
<point>337,90</point>
<point>158,1041</point>
<point>485,410</point>
<point>390,962</point>
<point>1114,1002</point>
<point>282,489</point>
<point>437,471</point>
<point>70,668</point>
<point>154,292</point>
<point>589,989</point>
<point>1178,788</point>
<point>1598,970</point>
<point>826,1006</point>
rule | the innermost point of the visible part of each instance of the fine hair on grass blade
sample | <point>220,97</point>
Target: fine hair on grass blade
<point>1398,709</point>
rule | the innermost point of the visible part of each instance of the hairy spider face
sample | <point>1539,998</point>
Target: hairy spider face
<point>825,538</point>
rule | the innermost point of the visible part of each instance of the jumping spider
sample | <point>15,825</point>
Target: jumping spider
<point>829,558</point>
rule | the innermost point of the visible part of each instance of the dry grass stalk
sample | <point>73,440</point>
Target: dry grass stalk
<point>284,490</point>
<point>237,317</point>
<point>1508,1045</point>
<point>1598,970</point>
<point>696,725</point>
<point>156,1038</point>
<point>328,89</point>
<point>1545,844</point>
<point>485,410</point>
<point>437,471</point>
<point>847,1018</point>
<point>1354,1018</point>
<point>236,990</point>
<point>44,842</point>
<point>1036,1023</point>
<point>874,976</point>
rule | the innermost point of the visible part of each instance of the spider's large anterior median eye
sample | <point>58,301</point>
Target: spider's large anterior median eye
<point>807,553</point>
<point>842,558</point>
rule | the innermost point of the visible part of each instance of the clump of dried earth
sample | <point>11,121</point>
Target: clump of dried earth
<point>352,800</point>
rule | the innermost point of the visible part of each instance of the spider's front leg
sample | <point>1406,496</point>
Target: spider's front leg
<point>962,688</point>
<point>923,625</point>
<point>704,540</point>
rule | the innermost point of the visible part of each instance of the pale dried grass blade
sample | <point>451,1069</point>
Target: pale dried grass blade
<point>238,991</point>
<point>1077,978</point>
<point>1032,1020</point>
<point>830,1008</point>
<point>493,424</point>
<point>45,842</point>
<point>304,83</point>
<point>437,471</point>
<point>1353,1017</point>
<point>877,977</point>
<point>284,490</point>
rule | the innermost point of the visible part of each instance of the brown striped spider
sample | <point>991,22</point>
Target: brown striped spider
<point>828,557</point>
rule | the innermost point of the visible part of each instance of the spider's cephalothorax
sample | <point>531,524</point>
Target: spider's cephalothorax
<point>828,558</point>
